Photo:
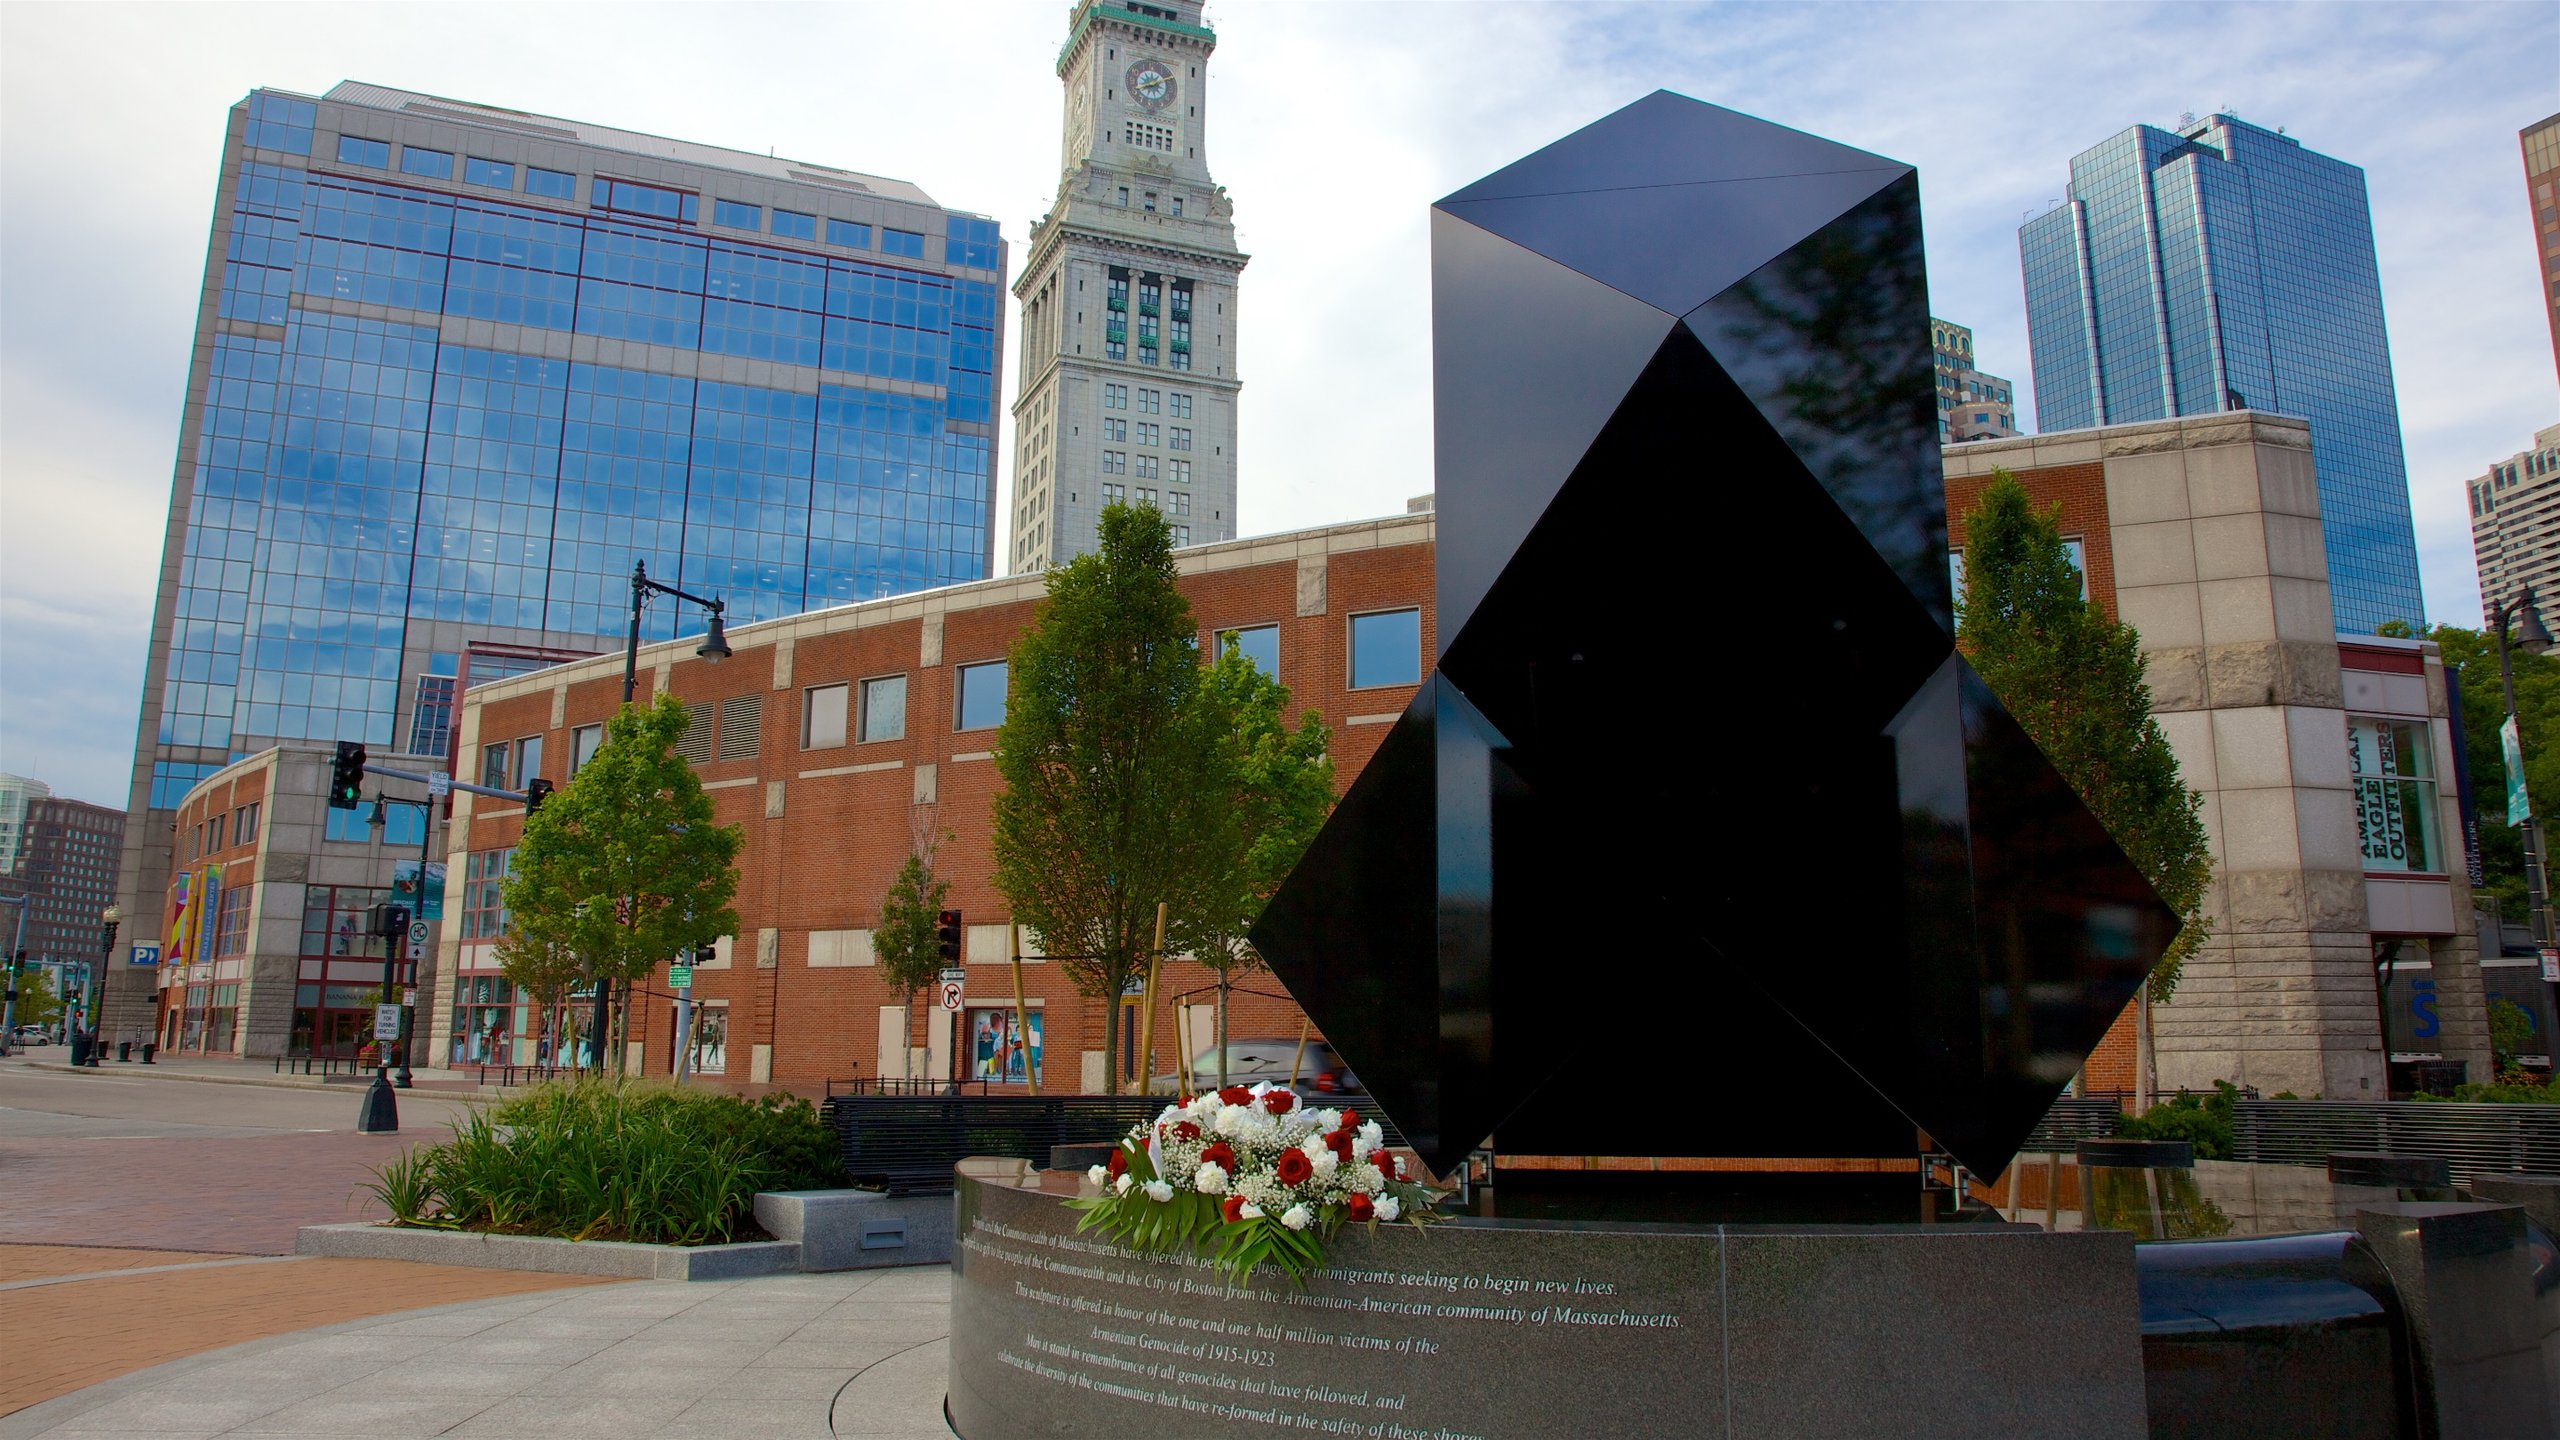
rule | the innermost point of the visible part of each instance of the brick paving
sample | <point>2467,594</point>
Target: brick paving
<point>77,1333</point>
<point>45,1262</point>
<point>243,1195</point>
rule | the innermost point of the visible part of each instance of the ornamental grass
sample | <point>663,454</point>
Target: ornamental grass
<point>613,1160</point>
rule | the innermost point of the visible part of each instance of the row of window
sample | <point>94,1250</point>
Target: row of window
<point>1150,467</point>
<point>1174,502</point>
<point>237,827</point>
<point>1150,402</point>
<point>970,242</point>
<point>1171,437</point>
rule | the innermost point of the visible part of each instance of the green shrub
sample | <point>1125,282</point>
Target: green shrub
<point>2202,1120</point>
<point>606,1160</point>
<point>2516,1087</point>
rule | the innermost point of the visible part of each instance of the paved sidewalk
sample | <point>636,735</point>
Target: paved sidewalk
<point>855,1354</point>
<point>225,1070</point>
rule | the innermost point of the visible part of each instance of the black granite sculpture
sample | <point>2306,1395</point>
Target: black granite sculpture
<point>1701,839</point>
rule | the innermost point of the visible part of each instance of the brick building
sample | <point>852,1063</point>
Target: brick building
<point>836,740</point>
<point>65,864</point>
<point>2327,762</point>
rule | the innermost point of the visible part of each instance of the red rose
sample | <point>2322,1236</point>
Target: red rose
<point>1119,1162</point>
<point>1236,1095</point>
<point>1185,1130</point>
<point>1350,1120</point>
<point>1339,1142</point>
<point>1279,1102</point>
<point>1233,1210</point>
<point>1222,1155</point>
<point>1294,1167</point>
<point>1385,1162</point>
<point>1360,1208</point>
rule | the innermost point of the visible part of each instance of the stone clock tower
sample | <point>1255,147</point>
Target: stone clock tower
<point>1128,294</point>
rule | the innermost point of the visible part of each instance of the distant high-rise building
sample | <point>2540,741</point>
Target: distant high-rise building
<point>1129,296</point>
<point>457,368</point>
<point>17,793</point>
<point>2541,142</point>
<point>2222,266</point>
<point>2515,526</point>
<point>68,861</point>
<point>1971,404</point>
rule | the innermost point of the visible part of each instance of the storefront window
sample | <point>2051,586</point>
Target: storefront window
<point>998,1049</point>
<point>2393,766</point>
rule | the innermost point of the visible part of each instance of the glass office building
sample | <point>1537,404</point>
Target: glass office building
<point>2223,267</point>
<point>458,367</point>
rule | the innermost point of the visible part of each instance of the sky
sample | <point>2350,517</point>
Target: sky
<point>1334,126</point>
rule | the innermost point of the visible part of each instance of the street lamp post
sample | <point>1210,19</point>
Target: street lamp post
<point>380,823</point>
<point>2531,636</point>
<point>714,648</point>
<point>108,921</point>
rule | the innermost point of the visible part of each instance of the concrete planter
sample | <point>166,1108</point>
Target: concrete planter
<point>858,1229</point>
<point>550,1256</point>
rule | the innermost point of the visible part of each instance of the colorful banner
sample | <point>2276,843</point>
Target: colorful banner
<point>425,903</point>
<point>207,909</point>
<point>996,1045</point>
<point>2511,746</point>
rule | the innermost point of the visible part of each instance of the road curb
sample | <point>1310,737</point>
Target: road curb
<point>543,1254</point>
<point>475,1092</point>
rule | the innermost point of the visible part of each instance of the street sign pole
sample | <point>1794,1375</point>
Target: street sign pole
<point>954,984</point>
<point>680,976</point>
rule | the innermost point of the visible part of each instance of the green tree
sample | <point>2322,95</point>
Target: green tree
<point>546,970</point>
<point>2074,680</point>
<point>37,1003</point>
<point>1273,787</point>
<point>1102,756</point>
<point>2473,655</point>
<point>905,944</point>
<point>623,867</point>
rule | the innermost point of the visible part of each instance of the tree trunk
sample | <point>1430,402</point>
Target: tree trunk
<point>1222,1023</point>
<point>1111,1036</point>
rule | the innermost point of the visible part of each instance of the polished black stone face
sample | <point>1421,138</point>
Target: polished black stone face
<point>1702,839</point>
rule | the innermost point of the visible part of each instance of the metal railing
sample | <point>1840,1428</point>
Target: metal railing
<point>2476,1139</point>
<point>910,1142</point>
<point>2072,1119</point>
<point>323,1064</point>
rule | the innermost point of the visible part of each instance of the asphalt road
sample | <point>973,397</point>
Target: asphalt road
<point>125,1103</point>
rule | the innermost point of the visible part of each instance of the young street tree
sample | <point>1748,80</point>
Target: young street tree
<point>904,945</point>
<point>1102,754</point>
<point>1273,788</point>
<point>2073,678</point>
<point>623,867</point>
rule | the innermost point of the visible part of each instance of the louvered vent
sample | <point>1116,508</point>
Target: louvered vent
<point>741,726</point>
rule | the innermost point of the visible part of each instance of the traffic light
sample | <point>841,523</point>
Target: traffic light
<point>390,919</point>
<point>946,936</point>
<point>706,954</point>
<point>346,776</point>
<point>535,791</point>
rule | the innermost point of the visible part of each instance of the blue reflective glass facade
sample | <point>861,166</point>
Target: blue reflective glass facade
<point>432,415</point>
<point>2226,267</point>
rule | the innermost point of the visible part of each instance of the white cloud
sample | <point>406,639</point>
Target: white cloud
<point>1334,127</point>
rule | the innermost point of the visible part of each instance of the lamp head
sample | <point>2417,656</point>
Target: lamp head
<point>715,641</point>
<point>2531,636</point>
<point>380,820</point>
<point>112,914</point>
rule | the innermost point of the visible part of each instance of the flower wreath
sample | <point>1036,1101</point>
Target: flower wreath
<point>1245,1177</point>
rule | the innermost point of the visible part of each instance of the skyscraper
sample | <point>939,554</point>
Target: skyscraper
<point>2222,266</point>
<point>457,368</point>
<point>1129,296</point>
<point>2515,524</point>
<point>2541,142</point>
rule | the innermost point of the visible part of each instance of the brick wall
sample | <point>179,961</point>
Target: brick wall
<point>826,830</point>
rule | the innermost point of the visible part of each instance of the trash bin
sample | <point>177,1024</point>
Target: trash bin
<point>149,1049</point>
<point>79,1048</point>
<point>124,1052</point>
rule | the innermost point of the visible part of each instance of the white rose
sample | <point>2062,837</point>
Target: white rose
<point>1361,1149</point>
<point>1250,1211</point>
<point>1099,1175</point>
<point>1121,1185</point>
<point>1231,1120</point>
<point>1158,1191</point>
<point>1388,1209</point>
<point>1367,1180</point>
<point>1328,1119</point>
<point>1325,1163</point>
<point>1371,1133</point>
<point>1311,1147</point>
<point>1210,1180</point>
<point>1298,1217</point>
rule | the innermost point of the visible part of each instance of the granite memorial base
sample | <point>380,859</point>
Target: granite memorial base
<point>1508,1330</point>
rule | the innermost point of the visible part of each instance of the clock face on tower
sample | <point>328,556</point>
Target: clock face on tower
<point>1151,84</point>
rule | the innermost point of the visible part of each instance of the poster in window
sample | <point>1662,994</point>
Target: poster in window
<point>998,1050</point>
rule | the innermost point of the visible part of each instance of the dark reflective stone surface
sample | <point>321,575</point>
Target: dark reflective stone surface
<point>1701,803</point>
<point>2273,1335</point>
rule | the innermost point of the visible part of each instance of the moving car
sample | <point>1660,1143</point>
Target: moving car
<point>1322,1073</point>
<point>33,1035</point>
